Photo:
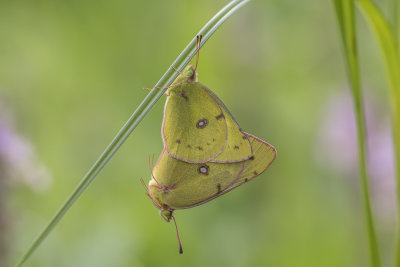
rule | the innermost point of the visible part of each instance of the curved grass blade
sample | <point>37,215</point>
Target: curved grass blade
<point>149,101</point>
<point>390,52</point>
<point>345,16</point>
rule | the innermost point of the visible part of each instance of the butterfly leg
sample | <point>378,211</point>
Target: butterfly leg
<point>149,89</point>
<point>165,87</point>
<point>175,69</point>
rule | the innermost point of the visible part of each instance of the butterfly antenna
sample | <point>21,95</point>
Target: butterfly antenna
<point>144,185</point>
<point>177,234</point>
<point>149,195</point>
<point>198,42</point>
<point>151,171</point>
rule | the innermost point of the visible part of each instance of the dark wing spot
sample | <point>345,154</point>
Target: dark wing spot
<point>244,137</point>
<point>189,146</point>
<point>178,141</point>
<point>208,144</point>
<point>251,158</point>
<point>182,94</point>
<point>218,188</point>
<point>245,180</point>
<point>236,147</point>
<point>220,116</point>
<point>199,148</point>
<point>255,173</point>
<point>203,169</point>
<point>213,139</point>
<point>202,123</point>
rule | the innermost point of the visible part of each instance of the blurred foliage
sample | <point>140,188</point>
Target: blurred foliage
<point>72,72</point>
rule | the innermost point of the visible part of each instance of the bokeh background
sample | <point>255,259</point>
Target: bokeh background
<point>72,72</point>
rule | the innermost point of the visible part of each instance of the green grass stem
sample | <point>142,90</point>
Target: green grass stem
<point>388,40</point>
<point>149,101</point>
<point>345,16</point>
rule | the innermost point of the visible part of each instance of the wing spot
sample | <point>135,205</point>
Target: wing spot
<point>199,148</point>
<point>236,147</point>
<point>220,116</point>
<point>178,141</point>
<point>244,137</point>
<point>202,123</point>
<point>251,158</point>
<point>203,169</point>
<point>245,180</point>
<point>213,139</point>
<point>182,94</point>
<point>189,146</point>
<point>255,173</point>
<point>219,188</point>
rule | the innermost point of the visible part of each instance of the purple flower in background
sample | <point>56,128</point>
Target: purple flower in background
<point>337,143</point>
<point>18,163</point>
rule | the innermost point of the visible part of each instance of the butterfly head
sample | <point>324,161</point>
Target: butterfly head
<point>188,75</point>
<point>166,213</point>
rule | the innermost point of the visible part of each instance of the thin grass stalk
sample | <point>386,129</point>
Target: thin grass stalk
<point>149,101</point>
<point>396,136</point>
<point>345,17</point>
<point>396,140</point>
<point>389,44</point>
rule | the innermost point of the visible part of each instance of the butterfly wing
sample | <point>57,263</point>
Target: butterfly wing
<point>185,185</point>
<point>197,127</point>
<point>180,184</point>
<point>263,156</point>
<point>194,127</point>
<point>237,146</point>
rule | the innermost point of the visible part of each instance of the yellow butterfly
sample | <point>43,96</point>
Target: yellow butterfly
<point>176,184</point>
<point>197,127</point>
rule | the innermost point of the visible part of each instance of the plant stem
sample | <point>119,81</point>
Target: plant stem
<point>149,101</point>
<point>389,44</point>
<point>396,140</point>
<point>345,16</point>
<point>396,131</point>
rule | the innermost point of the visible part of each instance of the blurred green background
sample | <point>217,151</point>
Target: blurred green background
<point>72,72</point>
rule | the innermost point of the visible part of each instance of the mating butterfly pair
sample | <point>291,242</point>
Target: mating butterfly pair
<point>206,154</point>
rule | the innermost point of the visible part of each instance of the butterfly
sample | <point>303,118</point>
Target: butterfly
<point>197,127</point>
<point>206,154</point>
<point>177,184</point>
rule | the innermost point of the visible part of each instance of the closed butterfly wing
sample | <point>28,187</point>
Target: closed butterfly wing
<point>197,127</point>
<point>263,156</point>
<point>179,184</point>
<point>237,146</point>
<point>194,128</point>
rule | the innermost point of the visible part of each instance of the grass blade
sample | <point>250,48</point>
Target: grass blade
<point>345,17</point>
<point>149,101</point>
<point>390,51</point>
